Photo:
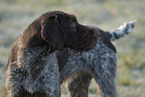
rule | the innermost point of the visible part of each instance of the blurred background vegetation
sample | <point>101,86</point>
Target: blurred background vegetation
<point>16,15</point>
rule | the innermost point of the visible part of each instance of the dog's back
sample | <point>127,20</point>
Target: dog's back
<point>100,63</point>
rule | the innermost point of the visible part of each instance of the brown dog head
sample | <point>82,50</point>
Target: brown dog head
<point>61,30</point>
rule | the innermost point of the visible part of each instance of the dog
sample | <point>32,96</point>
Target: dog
<point>99,63</point>
<point>32,69</point>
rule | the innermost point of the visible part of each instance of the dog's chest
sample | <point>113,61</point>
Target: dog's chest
<point>46,77</point>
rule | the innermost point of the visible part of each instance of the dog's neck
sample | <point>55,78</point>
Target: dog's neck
<point>33,58</point>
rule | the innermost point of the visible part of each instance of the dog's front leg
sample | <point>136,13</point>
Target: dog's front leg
<point>50,79</point>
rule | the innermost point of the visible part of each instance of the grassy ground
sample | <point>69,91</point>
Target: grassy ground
<point>15,15</point>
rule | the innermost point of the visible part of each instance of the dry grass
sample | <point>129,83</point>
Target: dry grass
<point>15,15</point>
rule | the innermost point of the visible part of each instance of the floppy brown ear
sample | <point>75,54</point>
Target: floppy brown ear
<point>52,33</point>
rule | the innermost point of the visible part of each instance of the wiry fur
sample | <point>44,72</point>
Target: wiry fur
<point>28,78</point>
<point>99,63</point>
<point>43,79</point>
<point>32,69</point>
<point>123,30</point>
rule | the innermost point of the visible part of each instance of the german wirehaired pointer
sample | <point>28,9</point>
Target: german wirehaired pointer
<point>32,69</point>
<point>99,63</point>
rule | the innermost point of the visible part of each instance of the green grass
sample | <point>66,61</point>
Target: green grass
<point>16,15</point>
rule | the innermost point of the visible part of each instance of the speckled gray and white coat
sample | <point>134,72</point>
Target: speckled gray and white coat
<point>32,69</point>
<point>99,63</point>
<point>33,79</point>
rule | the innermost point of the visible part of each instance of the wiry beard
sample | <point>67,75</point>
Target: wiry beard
<point>86,43</point>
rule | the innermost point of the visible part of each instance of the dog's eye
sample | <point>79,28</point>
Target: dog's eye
<point>73,25</point>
